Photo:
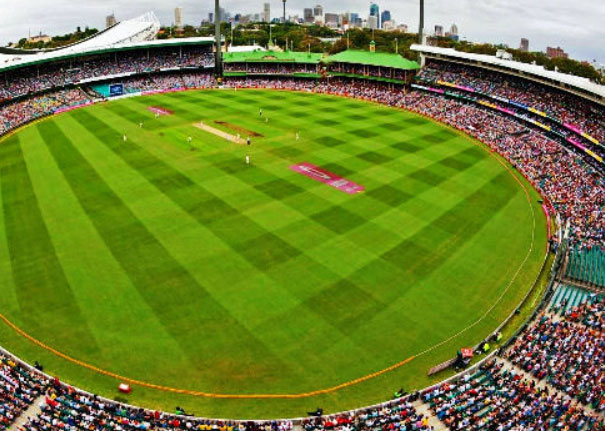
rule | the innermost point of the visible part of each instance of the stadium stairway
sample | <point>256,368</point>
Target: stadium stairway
<point>434,422</point>
<point>32,411</point>
<point>572,296</point>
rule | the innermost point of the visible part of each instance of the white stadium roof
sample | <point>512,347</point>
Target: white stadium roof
<point>124,34</point>
<point>534,70</point>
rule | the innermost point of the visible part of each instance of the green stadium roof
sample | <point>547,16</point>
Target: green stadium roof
<point>272,57</point>
<point>367,58</point>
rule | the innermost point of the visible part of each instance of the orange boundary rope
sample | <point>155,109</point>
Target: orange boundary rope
<point>328,390</point>
<point>192,392</point>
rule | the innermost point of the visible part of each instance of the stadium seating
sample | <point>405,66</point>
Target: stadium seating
<point>558,104</point>
<point>498,398</point>
<point>566,297</point>
<point>587,265</point>
<point>566,352</point>
<point>396,415</point>
<point>18,390</point>
<point>33,80</point>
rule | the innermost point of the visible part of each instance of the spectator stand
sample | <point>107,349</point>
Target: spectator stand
<point>44,74</point>
<point>370,65</point>
<point>569,116</point>
<point>272,63</point>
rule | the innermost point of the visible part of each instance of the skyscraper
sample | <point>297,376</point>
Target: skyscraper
<point>454,30</point>
<point>375,11</point>
<point>318,12</point>
<point>384,17</point>
<point>373,22</point>
<point>178,17</point>
<point>267,12</point>
<point>438,30</point>
<point>110,20</point>
<point>332,19</point>
<point>524,45</point>
<point>308,15</point>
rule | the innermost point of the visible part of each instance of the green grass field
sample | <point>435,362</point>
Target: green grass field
<point>190,269</point>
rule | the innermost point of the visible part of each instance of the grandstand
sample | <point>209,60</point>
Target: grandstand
<point>547,126</point>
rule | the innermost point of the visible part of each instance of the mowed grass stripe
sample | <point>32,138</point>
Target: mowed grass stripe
<point>84,256</point>
<point>8,300</point>
<point>326,312</point>
<point>262,248</point>
<point>265,250</point>
<point>164,284</point>
<point>54,316</point>
<point>207,258</point>
<point>428,249</point>
<point>262,252</point>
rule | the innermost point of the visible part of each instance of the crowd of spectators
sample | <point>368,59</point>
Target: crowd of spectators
<point>398,415</point>
<point>373,71</point>
<point>40,78</point>
<point>18,390</point>
<point>64,408</point>
<point>563,106</point>
<point>271,68</point>
<point>500,399</point>
<point>568,352</point>
<point>16,114</point>
<point>292,84</point>
<point>170,81</point>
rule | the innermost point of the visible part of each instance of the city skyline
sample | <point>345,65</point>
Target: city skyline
<point>479,21</point>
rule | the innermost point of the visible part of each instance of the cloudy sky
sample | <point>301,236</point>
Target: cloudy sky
<point>577,26</point>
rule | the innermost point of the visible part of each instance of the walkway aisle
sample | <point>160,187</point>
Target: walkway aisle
<point>32,411</point>
<point>433,421</point>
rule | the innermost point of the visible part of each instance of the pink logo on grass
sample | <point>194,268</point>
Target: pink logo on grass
<point>318,174</point>
<point>159,110</point>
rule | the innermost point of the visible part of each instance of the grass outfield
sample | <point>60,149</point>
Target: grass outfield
<point>192,270</point>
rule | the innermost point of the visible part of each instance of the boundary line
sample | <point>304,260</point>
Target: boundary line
<point>475,141</point>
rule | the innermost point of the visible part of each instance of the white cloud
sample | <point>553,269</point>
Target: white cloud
<point>576,26</point>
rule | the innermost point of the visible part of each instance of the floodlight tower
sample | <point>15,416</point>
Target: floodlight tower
<point>421,26</point>
<point>218,58</point>
<point>284,1</point>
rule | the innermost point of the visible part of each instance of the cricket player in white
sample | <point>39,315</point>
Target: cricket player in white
<point>247,159</point>
<point>141,125</point>
<point>125,138</point>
